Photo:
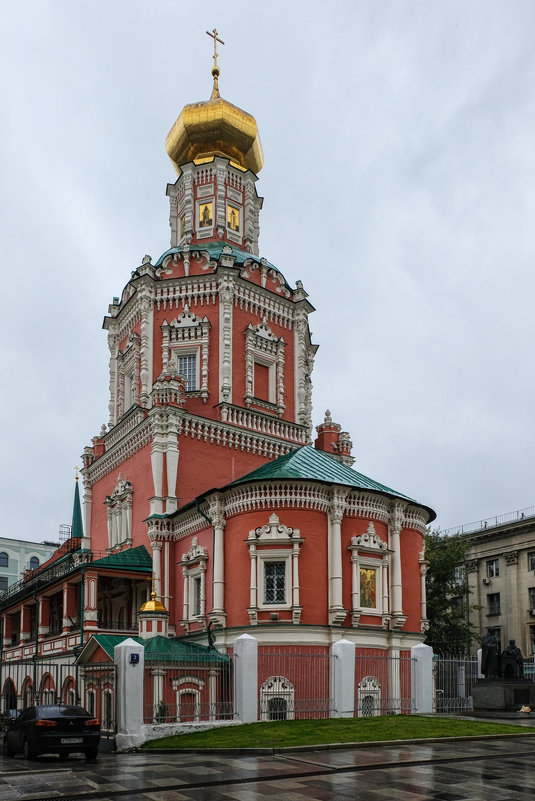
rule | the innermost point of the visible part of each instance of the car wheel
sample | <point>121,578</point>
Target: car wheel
<point>6,749</point>
<point>27,750</point>
<point>92,753</point>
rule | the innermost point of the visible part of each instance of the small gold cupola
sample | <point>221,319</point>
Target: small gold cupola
<point>153,618</point>
<point>215,128</point>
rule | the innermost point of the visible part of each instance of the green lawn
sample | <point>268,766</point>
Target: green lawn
<point>278,734</point>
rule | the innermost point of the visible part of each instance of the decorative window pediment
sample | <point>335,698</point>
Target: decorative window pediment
<point>369,541</point>
<point>275,531</point>
<point>195,554</point>
<point>119,514</point>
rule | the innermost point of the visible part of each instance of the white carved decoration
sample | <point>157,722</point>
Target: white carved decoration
<point>262,345</point>
<point>119,515</point>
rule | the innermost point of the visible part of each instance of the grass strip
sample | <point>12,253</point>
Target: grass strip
<point>287,733</point>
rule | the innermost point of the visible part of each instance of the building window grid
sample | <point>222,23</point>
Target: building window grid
<point>531,592</point>
<point>274,582</point>
<point>493,568</point>
<point>197,596</point>
<point>531,560</point>
<point>4,559</point>
<point>493,603</point>
<point>187,366</point>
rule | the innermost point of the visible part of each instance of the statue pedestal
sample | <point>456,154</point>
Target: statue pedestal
<point>503,695</point>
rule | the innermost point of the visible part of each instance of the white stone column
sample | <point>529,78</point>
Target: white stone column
<point>337,612</point>
<point>343,680</point>
<point>246,678</point>
<point>146,348</point>
<point>157,567</point>
<point>129,659</point>
<point>422,679</point>
<point>396,521</point>
<point>424,564</point>
<point>157,692</point>
<point>217,517</point>
<point>172,454</point>
<point>212,688</point>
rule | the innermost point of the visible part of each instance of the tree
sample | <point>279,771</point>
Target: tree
<point>448,596</point>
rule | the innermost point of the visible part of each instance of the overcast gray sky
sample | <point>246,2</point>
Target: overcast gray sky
<point>399,186</point>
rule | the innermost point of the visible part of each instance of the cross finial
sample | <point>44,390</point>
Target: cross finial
<point>76,473</point>
<point>215,68</point>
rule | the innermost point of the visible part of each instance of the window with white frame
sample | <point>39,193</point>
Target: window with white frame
<point>194,594</point>
<point>275,581</point>
<point>493,568</point>
<point>264,366</point>
<point>370,560</point>
<point>185,350</point>
<point>187,365</point>
<point>274,552</point>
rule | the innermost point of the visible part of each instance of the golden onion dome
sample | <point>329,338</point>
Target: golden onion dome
<point>153,605</point>
<point>215,128</point>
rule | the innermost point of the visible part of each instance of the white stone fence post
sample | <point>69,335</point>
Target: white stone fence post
<point>343,679</point>
<point>246,678</point>
<point>422,678</point>
<point>129,659</point>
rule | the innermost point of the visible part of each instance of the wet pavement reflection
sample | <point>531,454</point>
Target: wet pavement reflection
<point>445,771</point>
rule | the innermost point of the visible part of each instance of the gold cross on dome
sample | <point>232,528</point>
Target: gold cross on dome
<point>216,40</point>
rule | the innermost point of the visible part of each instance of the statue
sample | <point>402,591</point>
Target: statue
<point>490,659</point>
<point>514,652</point>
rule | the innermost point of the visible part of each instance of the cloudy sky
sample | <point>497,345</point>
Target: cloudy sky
<point>399,186</point>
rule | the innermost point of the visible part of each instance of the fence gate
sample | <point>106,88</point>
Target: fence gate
<point>453,681</point>
<point>383,684</point>
<point>97,682</point>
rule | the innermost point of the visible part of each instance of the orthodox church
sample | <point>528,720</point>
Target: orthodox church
<point>208,480</point>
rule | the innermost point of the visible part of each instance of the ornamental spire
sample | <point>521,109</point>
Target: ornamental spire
<point>215,68</point>
<point>77,529</point>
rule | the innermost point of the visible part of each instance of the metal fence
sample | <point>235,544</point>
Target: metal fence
<point>453,681</point>
<point>188,691</point>
<point>383,684</point>
<point>294,685</point>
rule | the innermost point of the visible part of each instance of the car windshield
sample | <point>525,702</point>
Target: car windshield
<point>61,711</point>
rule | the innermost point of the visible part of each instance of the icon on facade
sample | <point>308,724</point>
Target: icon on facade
<point>368,587</point>
<point>205,215</point>
<point>233,218</point>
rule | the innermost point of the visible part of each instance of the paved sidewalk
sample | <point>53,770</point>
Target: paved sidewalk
<point>446,771</point>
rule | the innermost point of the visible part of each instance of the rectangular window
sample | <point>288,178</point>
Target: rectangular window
<point>274,582</point>
<point>531,591</point>
<point>531,560</point>
<point>261,381</point>
<point>368,587</point>
<point>493,601</point>
<point>196,596</point>
<point>493,568</point>
<point>3,583</point>
<point>187,366</point>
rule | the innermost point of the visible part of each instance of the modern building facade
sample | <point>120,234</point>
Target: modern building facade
<point>18,556</point>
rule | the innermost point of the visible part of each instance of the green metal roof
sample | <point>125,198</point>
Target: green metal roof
<point>131,559</point>
<point>163,649</point>
<point>215,249</point>
<point>108,641</point>
<point>314,465</point>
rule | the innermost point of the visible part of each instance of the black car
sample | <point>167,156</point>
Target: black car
<point>53,729</point>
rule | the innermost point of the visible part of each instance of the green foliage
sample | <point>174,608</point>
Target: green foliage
<point>287,733</point>
<point>448,598</point>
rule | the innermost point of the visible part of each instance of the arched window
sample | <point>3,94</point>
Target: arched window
<point>369,697</point>
<point>4,559</point>
<point>34,563</point>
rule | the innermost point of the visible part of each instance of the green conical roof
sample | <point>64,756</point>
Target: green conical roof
<point>77,529</point>
<point>314,465</point>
